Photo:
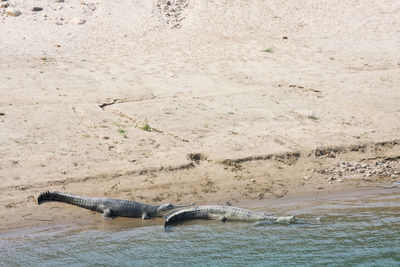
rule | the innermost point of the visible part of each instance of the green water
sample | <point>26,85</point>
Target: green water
<point>352,231</point>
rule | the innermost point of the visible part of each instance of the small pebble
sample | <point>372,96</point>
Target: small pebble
<point>36,9</point>
<point>13,12</point>
<point>78,21</point>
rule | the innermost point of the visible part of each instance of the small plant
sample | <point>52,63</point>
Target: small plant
<point>146,127</point>
<point>313,117</point>
<point>44,59</point>
<point>122,131</point>
<point>86,135</point>
<point>268,50</point>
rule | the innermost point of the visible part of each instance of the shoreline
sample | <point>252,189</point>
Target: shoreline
<point>269,178</point>
<point>286,205</point>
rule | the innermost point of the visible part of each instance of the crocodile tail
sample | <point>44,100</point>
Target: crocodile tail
<point>167,215</point>
<point>83,202</point>
<point>171,217</point>
<point>183,215</point>
<point>55,196</point>
<point>47,196</point>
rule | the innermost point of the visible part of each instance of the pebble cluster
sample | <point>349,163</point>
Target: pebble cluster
<point>379,168</point>
<point>9,8</point>
<point>172,11</point>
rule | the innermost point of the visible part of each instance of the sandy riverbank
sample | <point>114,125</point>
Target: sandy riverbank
<point>194,101</point>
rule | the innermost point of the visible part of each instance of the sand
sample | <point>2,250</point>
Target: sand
<point>204,101</point>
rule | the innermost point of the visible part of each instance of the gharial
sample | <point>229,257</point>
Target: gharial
<point>111,207</point>
<point>223,213</point>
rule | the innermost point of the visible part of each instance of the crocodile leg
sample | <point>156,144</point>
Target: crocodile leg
<point>107,214</point>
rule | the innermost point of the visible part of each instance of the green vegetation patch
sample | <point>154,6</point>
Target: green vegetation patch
<point>268,50</point>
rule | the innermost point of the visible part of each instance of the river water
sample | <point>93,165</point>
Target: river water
<point>351,230</point>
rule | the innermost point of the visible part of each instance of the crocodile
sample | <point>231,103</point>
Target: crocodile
<point>223,213</point>
<point>111,207</point>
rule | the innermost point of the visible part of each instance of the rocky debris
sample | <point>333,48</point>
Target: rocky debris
<point>13,12</point>
<point>378,168</point>
<point>78,21</point>
<point>4,5</point>
<point>172,11</point>
<point>196,157</point>
<point>37,9</point>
